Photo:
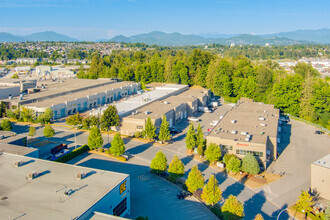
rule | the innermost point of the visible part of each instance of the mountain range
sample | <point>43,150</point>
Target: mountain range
<point>40,36</point>
<point>321,36</point>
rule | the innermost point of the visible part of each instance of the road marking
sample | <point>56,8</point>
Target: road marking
<point>199,216</point>
<point>194,210</point>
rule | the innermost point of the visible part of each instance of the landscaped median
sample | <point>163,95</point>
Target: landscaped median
<point>120,158</point>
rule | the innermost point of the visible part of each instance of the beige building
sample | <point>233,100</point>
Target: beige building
<point>249,127</point>
<point>320,176</point>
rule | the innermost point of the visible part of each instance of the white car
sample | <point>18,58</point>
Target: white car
<point>214,123</point>
<point>193,119</point>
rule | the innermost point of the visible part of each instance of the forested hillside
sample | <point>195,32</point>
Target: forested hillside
<point>302,94</point>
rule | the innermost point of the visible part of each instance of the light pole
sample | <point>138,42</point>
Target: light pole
<point>281,213</point>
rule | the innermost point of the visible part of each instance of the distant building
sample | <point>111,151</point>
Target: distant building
<point>249,127</point>
<point>39,189</point>
<point>23,69</point>
<point>320,176</point>
<point>232,45</point>
<point>29,61</point>
<point>23,84</point>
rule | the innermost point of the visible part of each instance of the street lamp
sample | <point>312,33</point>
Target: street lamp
<point>281,213</point>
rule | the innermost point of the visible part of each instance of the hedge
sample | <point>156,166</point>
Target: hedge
<point>73,154</point>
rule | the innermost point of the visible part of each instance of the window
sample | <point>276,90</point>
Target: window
<point>139,127</point>
<point>227,147</point>
<point>120,208</point>
<point>254,153</point>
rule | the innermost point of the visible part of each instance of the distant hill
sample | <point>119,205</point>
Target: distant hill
<point>177,39</point>
<point>41,36</point>
<point>319,36</point>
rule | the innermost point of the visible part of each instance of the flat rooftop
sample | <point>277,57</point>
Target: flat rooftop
<point>43,197</point>
<point>138,101</point>
<point>323,162</point>
<point>15,149</point>
<point>69,85</point>
<point>77,95</point>
<point>257,119</point>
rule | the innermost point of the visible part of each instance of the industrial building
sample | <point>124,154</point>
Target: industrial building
<point>22,84</point>
<point>249,127</point>
<point>320,176</point>
<point>40,189</point>
<point>175,108</point>
<point>73,95</point>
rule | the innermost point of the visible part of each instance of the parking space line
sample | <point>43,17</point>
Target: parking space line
<point>200,216</point>
<point>194,210</point>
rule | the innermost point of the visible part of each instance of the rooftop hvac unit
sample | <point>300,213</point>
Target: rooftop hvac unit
<point>166,102</point>
<point>243,133</point>
<point>234,132</point>
<point>147,112</point>
<point>262,119</point>
<point>233,121</point>
<point>263,125</point>
<point>81,175</point>
<point>248,135</point>
<point>247,139</point>
<point>19,163</point>
<point>33,175</point>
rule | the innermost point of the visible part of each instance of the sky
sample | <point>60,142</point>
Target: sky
<point>104,19</point>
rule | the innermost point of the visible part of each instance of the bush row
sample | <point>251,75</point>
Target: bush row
<point>73,154</point>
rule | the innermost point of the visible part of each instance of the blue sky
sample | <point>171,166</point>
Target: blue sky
<point>103,19</point>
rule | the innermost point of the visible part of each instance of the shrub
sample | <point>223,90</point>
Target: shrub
<point>234,165</point>
<point>6,125</point>
<point>213,152</point>
<point>227,158</point>
<point>250,164</point>
<point>137,134</point>
<point>73,154</point>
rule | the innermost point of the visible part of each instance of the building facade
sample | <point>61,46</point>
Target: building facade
<point>320,177</point>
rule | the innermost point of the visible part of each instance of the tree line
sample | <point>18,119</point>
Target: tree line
<point>303,93</point>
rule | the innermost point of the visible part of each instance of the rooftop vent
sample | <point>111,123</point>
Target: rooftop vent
<point>233,121</point>
<point>243,133</point>
<point>263,125</point>
<point>166,102</point>
<point>247,139</point>
<point>234,132</point>
<point>18,163</point>
<point>81,175</point>
<point>33,175</point>
<point>262,119</point>
<point>147,112</point>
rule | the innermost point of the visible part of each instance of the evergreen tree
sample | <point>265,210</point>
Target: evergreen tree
<point>232,208</point>
<point>211,192</point>
<point>46,117</point>
<point>149,131</point>
<point>49,131</point>
<point>164,132</point>
<point>117,146</point>
<point>159,163</point>
<point>110,117</point>
<point>199,136</point>
<point>250,164</point>
<point>191,137</point>
<point>234,165</point>
<point>306,108</point>
<point>305,202</point>
<point>213,152</point>
<point>176,168</point>
<point>195,179</point>
<point>6,125</point>
<point>32,131</point>
<point>74,120</point>
<point>201,148</point>
<point>95,139</point>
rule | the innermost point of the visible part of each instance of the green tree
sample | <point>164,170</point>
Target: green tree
<point>49,131</point>
<point>213,152</point>
<point>199,136</point>
<point>232,208</point>
<point>191,137</point>
<point>176,168</point>
<point>46,117</point>
<point>74,120</point>
<point>164,132</point>
<point>201,148</point>
<point>326,215</point>
<point>227,158</point>
<point>32,131</point>
<point>95,139</point>
<point>234,165</point>
<point>211,192</point>
<point>305,69</point>
<point>110,117</point>
<point>117,146</point>
<point>195,179</point>
<point>27,115</point>
<point>15,76</point>
<point>6,125</point>
<point>159,163</point>
<point>3,108</point>
<point>250,164</point>
<point>149,131</point>
<point>305,202</point>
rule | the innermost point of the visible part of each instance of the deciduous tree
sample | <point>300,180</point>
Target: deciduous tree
<point>6,125</point>
<point>49,131</point>
<point>211,192</point>
<point>195,179</point>
<point>95,139</point>
<point>117,146</point>
<point>305,202</point>
<point>159,163</point>
<point>213,152</point>
<point>232,208</point>
<point>176,168</point>
<point>234,165</point>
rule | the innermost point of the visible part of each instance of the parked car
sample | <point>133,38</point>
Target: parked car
<point>175,130</point>
<point>193,119</point>
<point>183,194</point>
<point>318,132</point>
<point>214,123</point>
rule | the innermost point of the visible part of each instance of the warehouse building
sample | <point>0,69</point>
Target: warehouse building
<point>249,127</point>
<point>320,176</point>
<point>40,189</point>
<point>176,108</point>
<point>22,84</point>
<point>19,150</point>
